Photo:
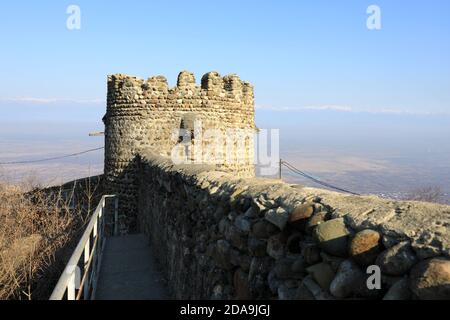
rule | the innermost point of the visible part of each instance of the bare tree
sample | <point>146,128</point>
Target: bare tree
<point>427,194</point>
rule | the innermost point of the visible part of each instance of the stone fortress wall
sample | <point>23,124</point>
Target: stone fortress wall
<point>147,113</point>
<point>220,237</point>
<point>220,233</point>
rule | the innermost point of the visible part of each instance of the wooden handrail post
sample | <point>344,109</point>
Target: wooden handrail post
<point>71,287</point>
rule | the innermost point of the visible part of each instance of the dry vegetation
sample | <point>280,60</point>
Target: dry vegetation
<point>38,229</point>
<point>428,194</point>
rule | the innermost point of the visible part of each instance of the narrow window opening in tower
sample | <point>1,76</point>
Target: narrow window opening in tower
<point>187,135</point>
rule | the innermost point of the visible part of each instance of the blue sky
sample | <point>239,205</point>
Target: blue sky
<point>334,88</point>
<point>314,54</point>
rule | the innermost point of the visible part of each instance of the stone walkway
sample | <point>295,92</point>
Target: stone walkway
<point>128,271</point>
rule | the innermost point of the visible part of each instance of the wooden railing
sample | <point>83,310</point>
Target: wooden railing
<point>79,278</point>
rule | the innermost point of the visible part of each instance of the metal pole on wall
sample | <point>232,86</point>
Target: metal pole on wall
<point>116,216</point>
<point>279,171</point>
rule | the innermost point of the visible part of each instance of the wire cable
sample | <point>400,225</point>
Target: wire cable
<point>50,159</point>
<point>307,176</point>
<point>285,163</point>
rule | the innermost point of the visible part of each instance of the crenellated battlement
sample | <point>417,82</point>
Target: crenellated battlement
<point>186,79</point>
<point>213,85</point>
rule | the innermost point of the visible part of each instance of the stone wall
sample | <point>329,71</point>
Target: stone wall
<point>221,237</point>
<point>147,113</point>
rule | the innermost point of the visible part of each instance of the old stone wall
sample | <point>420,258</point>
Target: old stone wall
<point>147,113</point>
<point>221,237</point>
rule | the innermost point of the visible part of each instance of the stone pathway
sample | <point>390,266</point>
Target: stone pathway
<point>128,271</point>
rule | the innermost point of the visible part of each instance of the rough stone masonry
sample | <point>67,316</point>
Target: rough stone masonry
<point>241,237</point>
<point>261,238</point>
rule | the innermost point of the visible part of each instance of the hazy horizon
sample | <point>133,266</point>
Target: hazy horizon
<point>389,154</point>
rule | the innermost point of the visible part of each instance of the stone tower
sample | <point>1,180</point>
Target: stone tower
<point>210,124</point>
